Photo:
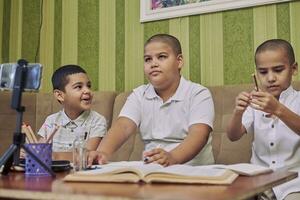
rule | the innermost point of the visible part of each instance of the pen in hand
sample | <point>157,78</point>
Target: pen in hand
<point>147,159</point>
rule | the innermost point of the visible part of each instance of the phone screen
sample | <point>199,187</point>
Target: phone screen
<point>32,76</point>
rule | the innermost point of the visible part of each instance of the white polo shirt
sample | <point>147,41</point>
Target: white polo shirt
<point>166,124</point>
<point>89,123</point>
<point>275,145</point>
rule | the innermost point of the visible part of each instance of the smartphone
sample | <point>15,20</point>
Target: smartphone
<point>255,82</point>
<point>33,76</point>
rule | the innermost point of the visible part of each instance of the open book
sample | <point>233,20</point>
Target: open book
<point>137,171</point>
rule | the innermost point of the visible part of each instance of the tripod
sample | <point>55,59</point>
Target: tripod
<point>12,154</point>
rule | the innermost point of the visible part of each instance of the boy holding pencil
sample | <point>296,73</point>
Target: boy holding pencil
<point>272,113</point>
<point>72,89</point>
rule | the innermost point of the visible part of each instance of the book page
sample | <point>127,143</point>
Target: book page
<point>137,167</point>
<point>246,169</point>
<point>194,171</point>
<point>192,174</point>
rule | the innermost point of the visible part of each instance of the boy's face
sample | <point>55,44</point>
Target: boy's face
<point>77,96</point>
<point>161,65</point>
<point>274,71</point>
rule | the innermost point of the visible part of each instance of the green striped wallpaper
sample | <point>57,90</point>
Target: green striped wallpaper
<point>106,38</point>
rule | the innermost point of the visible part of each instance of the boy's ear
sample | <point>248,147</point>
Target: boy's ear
<point>295,68</point>
<point>180,61</point>
<point>59,95</point>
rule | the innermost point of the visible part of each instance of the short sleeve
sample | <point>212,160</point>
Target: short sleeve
<point>202,108</point>
<point>132,108</point>
<point>248,119</point>
<point>98,126</point>
<point>42,131</point>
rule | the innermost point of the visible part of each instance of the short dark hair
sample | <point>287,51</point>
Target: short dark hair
<point>170,40</point>
<point>275,44</point>
<point>60,76</point>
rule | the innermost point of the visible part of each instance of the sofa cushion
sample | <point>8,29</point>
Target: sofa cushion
<point>224,150</point>
<point>103,103</point>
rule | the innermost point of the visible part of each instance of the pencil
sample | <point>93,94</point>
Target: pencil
<point>49,139</point>
<point>32,133</point>
<point>255,82</point>
<point>27,133</point>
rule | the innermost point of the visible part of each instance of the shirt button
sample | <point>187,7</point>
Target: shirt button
<point>271,144</point>
<point>273,162</point>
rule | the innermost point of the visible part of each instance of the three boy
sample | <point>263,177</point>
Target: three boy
<point>176,115</point>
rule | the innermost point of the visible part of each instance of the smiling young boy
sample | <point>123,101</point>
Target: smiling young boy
<point>174,116</point>
<point>72,89</point>
<point>272,113</point>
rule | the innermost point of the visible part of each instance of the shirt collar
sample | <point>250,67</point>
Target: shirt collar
<point>78,121</point>
<point>284,94</point>
<point>178,96</point>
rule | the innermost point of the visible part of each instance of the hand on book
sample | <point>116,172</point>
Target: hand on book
<point>159,156</point>
<point>96,157</point>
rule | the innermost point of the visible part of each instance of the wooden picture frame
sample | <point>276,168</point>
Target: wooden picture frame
<point>152,10</point>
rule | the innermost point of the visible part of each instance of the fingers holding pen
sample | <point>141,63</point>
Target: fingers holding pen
<point>264,101</point>
<point>242,101</point>
<point>159,156</point>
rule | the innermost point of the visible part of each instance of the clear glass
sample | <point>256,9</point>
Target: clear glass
<point>79,154</point>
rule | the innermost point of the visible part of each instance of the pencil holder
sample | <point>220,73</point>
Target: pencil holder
<point>44,152</point>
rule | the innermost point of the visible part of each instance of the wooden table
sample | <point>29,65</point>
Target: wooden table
<point>17,186</point>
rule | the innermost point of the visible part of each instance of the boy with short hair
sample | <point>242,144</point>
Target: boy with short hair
<point>272,113</point>
<point>175,116</point>
<point>72,89</point>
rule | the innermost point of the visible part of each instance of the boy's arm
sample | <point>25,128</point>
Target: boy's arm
<point>116,136</point>
<point>235,128</point>
<point>93,143</point>
<point>194,142</point>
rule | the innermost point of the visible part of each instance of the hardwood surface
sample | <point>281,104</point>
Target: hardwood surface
<point>17,185</point>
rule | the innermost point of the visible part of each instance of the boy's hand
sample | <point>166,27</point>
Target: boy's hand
<point>242,101</point>
<point>159,156</point>
<point>264,101</point>
<point>96,156</point>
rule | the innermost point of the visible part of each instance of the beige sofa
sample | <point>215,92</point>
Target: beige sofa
<point>39,105</point>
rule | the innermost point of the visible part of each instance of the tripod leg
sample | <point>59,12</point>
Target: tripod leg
<point>7,159</point>
<point>39,161</point>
